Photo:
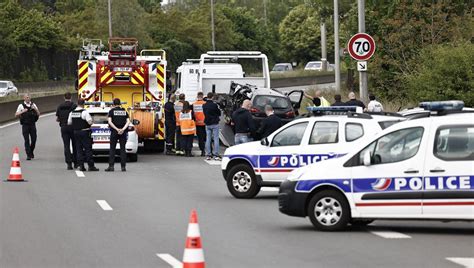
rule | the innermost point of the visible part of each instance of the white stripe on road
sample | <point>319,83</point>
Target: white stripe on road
<point>170,260</point>
<point>80,174</point>
<point>466,262</point>
<point>104,205</point>
<point>390,234</point>
<point>213,162</point>
<point>18,122</point>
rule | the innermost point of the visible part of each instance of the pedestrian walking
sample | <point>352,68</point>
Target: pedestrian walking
<point>374,105</point>
<point>200,124</point>
<point>353,101</point>
<point>212,115</point>
<point>67,132</point>
<point>337,101</point>
<point>81,122</point>
<point>188,129</point>
<point>28,113</point>
<point>243,123</point>
<point>170,124</point>
<point>271,123</point>
<point>178,107</point>
<point>118,121</point>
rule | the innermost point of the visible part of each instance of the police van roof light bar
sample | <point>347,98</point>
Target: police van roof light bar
<point>452,105</point>
<point>335,110</point>
<point>105,103</point>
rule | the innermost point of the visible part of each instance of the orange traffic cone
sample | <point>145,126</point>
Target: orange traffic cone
<point>15,170</point>
<point>193,256</point>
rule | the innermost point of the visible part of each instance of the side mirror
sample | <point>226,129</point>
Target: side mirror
<point>367,158</point>
<point>265,142</point>
<point>135,122</point>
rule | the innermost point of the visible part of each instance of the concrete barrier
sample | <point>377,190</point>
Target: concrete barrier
<point>45,105</point>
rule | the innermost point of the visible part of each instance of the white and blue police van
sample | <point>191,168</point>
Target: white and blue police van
<point>100,131</point>
<point>422,168</point>
<point>328,132</point>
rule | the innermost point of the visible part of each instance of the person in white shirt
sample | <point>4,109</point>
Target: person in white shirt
<point>374,105</point>
<point>28,114</point>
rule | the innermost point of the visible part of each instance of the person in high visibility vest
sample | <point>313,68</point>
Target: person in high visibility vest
<point>178,107</point>
<point>188,128</point>
<point>200,125</point>
<point>318,99</point>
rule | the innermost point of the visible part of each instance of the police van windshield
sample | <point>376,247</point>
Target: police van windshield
<point>99,118</point>
<point>3,85</point>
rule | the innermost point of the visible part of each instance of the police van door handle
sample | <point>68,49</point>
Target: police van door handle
<point>437,170</point>
<point>410,171</point>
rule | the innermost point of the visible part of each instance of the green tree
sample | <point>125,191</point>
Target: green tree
<point>443,72</point>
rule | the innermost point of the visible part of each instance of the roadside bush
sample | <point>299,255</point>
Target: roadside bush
<point>444,72</point>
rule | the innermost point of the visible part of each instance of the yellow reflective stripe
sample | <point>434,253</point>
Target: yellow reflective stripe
<point>105,76</point>
<point>132,79</point>
<point>81,79</point>
<point>83,68</point>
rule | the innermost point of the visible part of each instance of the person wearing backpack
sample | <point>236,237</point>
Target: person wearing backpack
<point>67,132</point>
<point>28,113</point>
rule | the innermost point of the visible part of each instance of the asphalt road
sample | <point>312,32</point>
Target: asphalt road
<point>54,219</point>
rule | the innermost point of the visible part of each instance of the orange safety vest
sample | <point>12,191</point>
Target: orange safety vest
<point>178,107</point>
<point>188,127</point>
<point>199,112</point>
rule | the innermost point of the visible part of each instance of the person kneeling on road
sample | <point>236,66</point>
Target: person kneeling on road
<point>81,122</point>
<point>118,121</point>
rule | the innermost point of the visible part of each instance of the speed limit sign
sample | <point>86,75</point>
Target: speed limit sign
<point>361,46</point>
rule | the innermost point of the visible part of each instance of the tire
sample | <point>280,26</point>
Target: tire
<point>242,182</point>
<point>334,205</point>
<point>361,222</point>
<point>132,157</point>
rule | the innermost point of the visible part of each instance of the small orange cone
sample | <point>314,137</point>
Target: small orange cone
<point>193,256</point>
<point>15,170</point>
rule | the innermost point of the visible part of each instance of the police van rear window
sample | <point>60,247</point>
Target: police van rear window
<point>99,118</point>
<point>454,143</point>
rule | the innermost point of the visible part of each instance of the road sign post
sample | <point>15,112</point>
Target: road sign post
<point>361,47</point>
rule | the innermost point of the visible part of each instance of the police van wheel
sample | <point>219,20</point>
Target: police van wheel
<point>328,210</point>
<point>241,182</point>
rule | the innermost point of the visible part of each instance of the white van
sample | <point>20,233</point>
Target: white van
<point>187,80</point>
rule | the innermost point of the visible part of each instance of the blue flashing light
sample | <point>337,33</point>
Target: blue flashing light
<point>453,105</point>
<point>334,110</point>
<point>98,103</point>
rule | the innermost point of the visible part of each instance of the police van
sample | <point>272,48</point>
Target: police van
<point>422,168</point>
<point>330,132</point>
<point>101,133</point>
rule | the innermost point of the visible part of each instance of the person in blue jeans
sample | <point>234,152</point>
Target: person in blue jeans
<point>212,115</point>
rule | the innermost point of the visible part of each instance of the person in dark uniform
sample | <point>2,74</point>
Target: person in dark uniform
<point>170,124</point>
<point>337,101</point>
<point>67,132</point>
<point>81,122</point>
<point>28,113</point>
<point>353,101</point>
<point>269,124</point>
<point>118,122</point>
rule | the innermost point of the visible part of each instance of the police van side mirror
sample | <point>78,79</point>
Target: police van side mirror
<point>367,158</point>
<point>265,142</point>
<point>135,122</point>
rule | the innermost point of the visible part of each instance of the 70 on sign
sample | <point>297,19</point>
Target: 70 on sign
<point>361,46</point>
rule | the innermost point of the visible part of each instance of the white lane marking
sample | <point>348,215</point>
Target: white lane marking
<point>104,205</point>
<point>18,122</point>
<point>390,234</point>
<point>80,174</point>
<point>466,262</point>
<point>213,162</point>
<point>269,189</point>
<point>170,260</point>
